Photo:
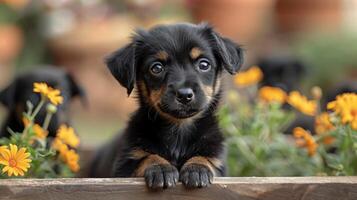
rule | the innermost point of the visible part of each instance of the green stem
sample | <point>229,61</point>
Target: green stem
<point>47,121</point>
<point>32,117</point>
<point>37,109</point>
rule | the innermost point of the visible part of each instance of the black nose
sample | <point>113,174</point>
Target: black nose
<point>184,95</point>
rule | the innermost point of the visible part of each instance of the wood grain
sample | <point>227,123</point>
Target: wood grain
<point>271,188</point>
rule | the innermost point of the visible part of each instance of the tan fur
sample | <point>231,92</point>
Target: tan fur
<point>200,160</point>
<point>162,55</point>
<point>154,99</point>
<point>155,95</point>
<point>195,53</point>
<point>149,161</point>
<point>138,154</point>
<point>208,90</point>
<point>215,162</point>
<point>217,86</point>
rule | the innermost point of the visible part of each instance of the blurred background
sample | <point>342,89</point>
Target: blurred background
<point>319,35</point>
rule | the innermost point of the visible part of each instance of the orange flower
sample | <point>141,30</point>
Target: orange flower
<point>301,103</point>
<point>250,77</point>
<point>68,136</point>
<point>72,158</point>
<point>305,139</point>
<point>345,105</point>
<point>322,126</point>
<point>272,94</point>
<point>16,162</point>
<point>69,156</point>
<point>58,145</point>
<point>54,95</point>
<point>25,121</point>
<point>40,132</point>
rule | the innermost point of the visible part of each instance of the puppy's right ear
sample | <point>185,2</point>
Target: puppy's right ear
<point>121,64</point>
<point>7,95</point>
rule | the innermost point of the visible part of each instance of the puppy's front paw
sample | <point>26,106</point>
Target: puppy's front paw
<point>161,176</point>
<point>196,176</point>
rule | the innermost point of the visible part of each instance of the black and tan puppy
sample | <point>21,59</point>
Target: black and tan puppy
<point>174,135</point>
<point>15,96</point>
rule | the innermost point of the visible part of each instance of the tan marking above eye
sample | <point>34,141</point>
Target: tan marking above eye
<point>162,55</point>
<point>195,53</point>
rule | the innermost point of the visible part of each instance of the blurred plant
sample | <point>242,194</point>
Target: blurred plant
<point>315,49</point>
<point>29,153</point>
<point>256,143</point>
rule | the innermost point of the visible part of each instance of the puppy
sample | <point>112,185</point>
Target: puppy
<point>15,96</point>
<point>284,72</point>
<point>174,134</point>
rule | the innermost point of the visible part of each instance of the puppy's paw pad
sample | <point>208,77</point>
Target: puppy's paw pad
<point>161,176</point>
<point>196,176</point>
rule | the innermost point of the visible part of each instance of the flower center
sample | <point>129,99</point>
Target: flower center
<point>354,113</point>
<point>12,163</point>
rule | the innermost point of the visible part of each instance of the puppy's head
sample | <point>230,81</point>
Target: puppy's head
<point>15,96</point>
<point>176,68</point>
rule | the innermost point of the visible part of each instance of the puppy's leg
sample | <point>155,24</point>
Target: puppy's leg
<point>157,171</point>
<point>199,171</point>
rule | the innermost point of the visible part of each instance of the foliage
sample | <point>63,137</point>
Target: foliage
<point>257,146</point>
<point>46,159</point>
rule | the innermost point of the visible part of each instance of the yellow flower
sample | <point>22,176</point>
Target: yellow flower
<point>324,125</point>
<point>60,147</point>
<point>300,102</point>
<point>345,105</point>
<point>305,139</point>
<point>71,159</point>
<point>250,77</point>
<point>67,135</point>
<point>272,94</point>
<point>39,131</point>
<point>41,88</point>
<point>69,156</point>
<point>16,161</point>
<point>54,95</point>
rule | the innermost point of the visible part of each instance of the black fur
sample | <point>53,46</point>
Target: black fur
<point>15,96</point>
<point>174,131</point>
<point>284,72</point>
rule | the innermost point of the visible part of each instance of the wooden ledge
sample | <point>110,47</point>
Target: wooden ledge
<point>242,188</point>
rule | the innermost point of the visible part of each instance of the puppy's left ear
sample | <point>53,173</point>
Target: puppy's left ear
<point>228,52</point>
<point>121,64</point>
<point>7,95</point>
<point>77,90</point>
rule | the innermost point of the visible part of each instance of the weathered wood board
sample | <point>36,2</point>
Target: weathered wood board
<point>271,188</point>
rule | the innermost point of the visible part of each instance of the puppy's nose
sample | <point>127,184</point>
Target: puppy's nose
<point>184,95</point>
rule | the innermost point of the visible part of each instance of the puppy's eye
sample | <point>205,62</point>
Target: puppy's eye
<point>156,68</point>
<point>204,65</point>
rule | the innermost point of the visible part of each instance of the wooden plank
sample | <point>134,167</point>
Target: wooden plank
<point>271,188</point>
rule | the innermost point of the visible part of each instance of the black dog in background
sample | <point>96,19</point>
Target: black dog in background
<point>285,72</point>
<point>174,135</point>
<point>15,96</point>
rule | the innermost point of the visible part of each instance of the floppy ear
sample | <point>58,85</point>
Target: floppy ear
<point>77,90</point>
<point>7,95</point>
<point>121,64</point>
<point>228,52</point>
